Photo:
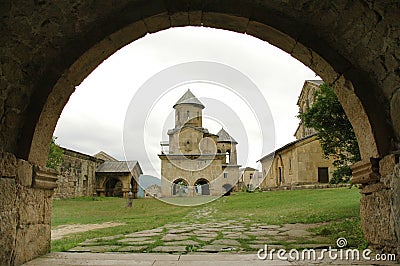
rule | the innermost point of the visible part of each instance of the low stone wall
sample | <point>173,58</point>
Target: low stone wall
<point>25,210</point>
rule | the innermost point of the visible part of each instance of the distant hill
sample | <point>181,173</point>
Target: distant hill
<point>145,181</point>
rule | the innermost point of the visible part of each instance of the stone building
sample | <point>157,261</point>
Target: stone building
<point>197,162</point>
<point>302,161</point>
<point>250,178</point>
<point>118,178</point>
<point>101,174</point>
<point>77,175</point>
<point>153,191</point>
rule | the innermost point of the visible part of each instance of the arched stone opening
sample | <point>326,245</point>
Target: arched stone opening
<point>227,189</point>
<point>355,89</point>
<point>280,179</point>
<point>180,188</point>
<point>113,187</point>
<point>202,187</point>
<point>352,45</point>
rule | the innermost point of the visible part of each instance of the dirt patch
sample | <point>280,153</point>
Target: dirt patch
<point>63,230</point>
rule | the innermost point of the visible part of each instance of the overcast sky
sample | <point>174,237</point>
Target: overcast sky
<point>93,119</point>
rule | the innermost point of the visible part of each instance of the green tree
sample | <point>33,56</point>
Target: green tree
<point>335,132</point>
<point>56,154</point>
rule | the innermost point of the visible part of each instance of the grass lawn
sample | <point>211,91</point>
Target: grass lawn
<point>340,207</point>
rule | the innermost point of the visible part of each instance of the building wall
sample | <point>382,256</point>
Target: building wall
<point>298,164</point>
<point>249,176</point>
<point>77,175</point>
<point>180,167</point>
<point>306,100</point>
<point>152,191</point>
<point>309,158</point>
<point>195,115</point>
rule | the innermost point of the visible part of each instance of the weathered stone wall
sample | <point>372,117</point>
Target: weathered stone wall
<point>25,210</point>
<point>299,163</point>
<point>153,191</point>
<point>380,207</point>
<point>176,167</point>
<point>77,175</point>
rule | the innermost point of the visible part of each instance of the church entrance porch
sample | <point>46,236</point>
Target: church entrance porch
<point>113,188</point>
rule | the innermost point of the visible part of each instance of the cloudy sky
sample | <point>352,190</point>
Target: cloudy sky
<point>94,118</point>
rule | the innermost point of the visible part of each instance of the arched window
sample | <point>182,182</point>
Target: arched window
<point>180,187</point>
<point>188,115</point>
<point>227,157</point>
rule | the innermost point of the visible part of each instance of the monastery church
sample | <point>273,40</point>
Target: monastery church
<point>196,161</point>
<point>300,162</point>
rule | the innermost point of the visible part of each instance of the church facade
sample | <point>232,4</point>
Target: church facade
<point>197,162</point>
<point>300,162</point>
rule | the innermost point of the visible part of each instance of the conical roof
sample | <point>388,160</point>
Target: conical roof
<point>223,136</point>
<point>189,98</point>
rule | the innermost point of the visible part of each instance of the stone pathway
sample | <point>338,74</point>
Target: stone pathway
<point>63,230</point>
<point>192,259</point>
<point>233,236</point>
<point>214,242</point>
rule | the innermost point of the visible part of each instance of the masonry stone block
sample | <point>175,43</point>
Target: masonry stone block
<point>387,164</point>
<point>225,21</point>
<point>179,19</point>
<point>395,113</point>
<point>8,165</point>
<point>33,241</point>
<point>31,209</point>
<point>8,194</point>
<point>25,172</point>
<point>158,22</point>
<point>271,35</point>
<point>8,226</point>
<point>195,18</point>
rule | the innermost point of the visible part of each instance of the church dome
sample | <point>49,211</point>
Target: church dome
<point>189,98</point>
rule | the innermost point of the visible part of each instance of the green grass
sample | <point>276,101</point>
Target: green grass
<point>340,207</point>
<point>291,206</point>
<point>349,228</point>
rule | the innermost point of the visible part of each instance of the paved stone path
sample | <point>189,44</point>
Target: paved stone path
<point>214,242</point>
<point>234,236</point>
<point>100,259</point>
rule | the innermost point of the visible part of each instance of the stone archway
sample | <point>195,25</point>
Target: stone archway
<point>180,188</point>
<point>202,187</point>
<point>227,189</point>
<point>49,48</point>
<point>113,187</point>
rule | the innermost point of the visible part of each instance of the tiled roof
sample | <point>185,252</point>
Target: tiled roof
<point>189,98</point>
<point>223,136</point>
<point>116,166</point>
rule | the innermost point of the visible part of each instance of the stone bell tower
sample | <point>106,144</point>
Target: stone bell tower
<point>188,114</point>
<point>227,145</point>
